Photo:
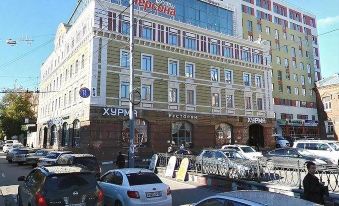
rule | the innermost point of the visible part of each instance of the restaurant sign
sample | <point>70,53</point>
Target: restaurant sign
<point>160,6</point>
<point>256,120</point>
<point>111,111</point>
<point>182,116</point>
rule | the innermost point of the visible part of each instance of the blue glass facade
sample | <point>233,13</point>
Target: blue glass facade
<point>197,13</point>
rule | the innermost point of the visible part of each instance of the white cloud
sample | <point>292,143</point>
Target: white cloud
<point>328,21</point>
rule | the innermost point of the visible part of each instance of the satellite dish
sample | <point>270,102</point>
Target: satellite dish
<point>11,42</point>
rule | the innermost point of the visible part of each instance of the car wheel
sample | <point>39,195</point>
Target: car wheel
<point>117,203</point>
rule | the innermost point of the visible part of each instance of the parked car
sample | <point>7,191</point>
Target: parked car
<point>20,155</point>
<point>134,186</point>
<point>10,154</point>
<point>51,158</point>
<point>183,152</point>
<point>88,161</point>
<point>230,158</point>
<point>289,158</point>
<point>9,146</point>
<point>32,159</point>
<point>252,198</point>
<point>245,150</point>
<point>280,141</point>
<point>321,148</point>
<point>59,185</point>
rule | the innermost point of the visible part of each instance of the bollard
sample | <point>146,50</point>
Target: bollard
<point>299,175</point>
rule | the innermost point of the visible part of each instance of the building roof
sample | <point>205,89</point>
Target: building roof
<point>329,81</point>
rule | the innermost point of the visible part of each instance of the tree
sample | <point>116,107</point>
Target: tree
<point>14,108</point>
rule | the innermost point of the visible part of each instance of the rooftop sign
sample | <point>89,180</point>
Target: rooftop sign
<point>160,6</point>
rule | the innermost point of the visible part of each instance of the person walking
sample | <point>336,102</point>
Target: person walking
<point>120,162</point>
<point>314,190</point>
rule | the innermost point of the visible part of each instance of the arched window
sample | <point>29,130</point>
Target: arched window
<point>76,134</point>
<point>141,132</point>
<point>223,134</point>
<point>182,133</point>
<point>82,61</point>
<point>65,135</point>
<point>53,135</point>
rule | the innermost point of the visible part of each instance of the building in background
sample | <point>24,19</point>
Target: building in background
<point>328,107</point>
<point>292,34</point>
<point>200,83</point>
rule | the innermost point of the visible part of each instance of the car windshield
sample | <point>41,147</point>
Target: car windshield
<point>22,152</point>
<point>41,153</point>
<point>52,155</point>
<point>69,181</point>
<point>247,149</point>
<point>233,155</point>
<point>89,162</point>
<point>334,145</point>
<point>143,178</point>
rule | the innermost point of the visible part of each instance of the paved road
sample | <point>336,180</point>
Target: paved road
<point>9,174</point>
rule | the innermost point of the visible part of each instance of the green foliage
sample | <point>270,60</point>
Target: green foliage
<point>14,108</point>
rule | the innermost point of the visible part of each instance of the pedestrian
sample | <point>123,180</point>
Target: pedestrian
<point>182,147</point>
<point>120,162</point>
<point>314,190</point>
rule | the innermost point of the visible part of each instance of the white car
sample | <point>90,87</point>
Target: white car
<point>252,198</point>
<point>280,141</point>
<point>245,150</point>
<point>51,158</point>
<point>133,187</point>
<point>8,146</point>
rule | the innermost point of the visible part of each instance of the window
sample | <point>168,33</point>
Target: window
<point>190,97</point>
<point>278,60</point>
<point>146,63</point>
<point>76,66</point>
<point>146,92</point>
<point>75,95</point>
<point>279,75</point>
<point>309,80</point>
<point>64,135</point>
<point>248,102</point>
<point>308,67</point>
<point>245,55</point>
<point>147,31</point>
<point>124,90</point>
<point>124,59</point>
<point>228,76</point>
<point>215,74</point>
<point>189,70</point>
<point>295,77</point>
<point>141,133</point>
<point>190,42</point>
<point>173,95</point>
<point>229,101</point>
<point>289,89</point>
<point>247,79</point>
<point>327,103</point>
<point>215,100</point>
<point>258,82</point>
<point>302,79</point>
<point>181,133</point>
<point>172,38</point>
<point>76,134</point>
<point>294,64</point>
<point>249,25</point>
<point>268,30</point>
<point>293,53</point>
<point>54,133</point>
<point>304,92</point>
<point>280,88</point>
<point>292,37</point>
<point>276,34</point>
<point>125,25</point>
<point>228,51</point>
<point>259,104</point>
<point>223,134</point>
<point>296,91</point>
<point>259,27</point>
<point>82,62</point>
<point>173,67</point>
<point>286,63</point>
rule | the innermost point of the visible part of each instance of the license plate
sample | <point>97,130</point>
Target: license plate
<point>153,194</point>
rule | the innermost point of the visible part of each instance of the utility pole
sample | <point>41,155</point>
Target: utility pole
<point>131,94</point>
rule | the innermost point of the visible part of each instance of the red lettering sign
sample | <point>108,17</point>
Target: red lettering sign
<point>146,4</point>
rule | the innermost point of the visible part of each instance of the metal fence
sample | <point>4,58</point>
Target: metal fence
<point>259,171</point>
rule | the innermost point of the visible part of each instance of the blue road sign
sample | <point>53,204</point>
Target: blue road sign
<point>84,92</point>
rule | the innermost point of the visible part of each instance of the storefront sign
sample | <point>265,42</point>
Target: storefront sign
<point>182,116</point>
<point>282,122</point>
<point>111,111</point>
<point>256,120</point>
<point>160,6</point>
<point>311,122</point>
<point>296,122</point>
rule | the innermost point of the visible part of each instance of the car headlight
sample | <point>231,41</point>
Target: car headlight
<point>319,161</point>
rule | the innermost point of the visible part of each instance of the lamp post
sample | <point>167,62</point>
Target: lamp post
<point>131,77</point>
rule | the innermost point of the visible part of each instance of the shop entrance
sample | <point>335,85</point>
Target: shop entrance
<point>44,144</point>
<point>256,135</point>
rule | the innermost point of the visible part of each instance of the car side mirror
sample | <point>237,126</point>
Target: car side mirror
<point>21,178</point>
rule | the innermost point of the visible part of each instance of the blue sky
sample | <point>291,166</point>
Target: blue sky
<point>39,19</point>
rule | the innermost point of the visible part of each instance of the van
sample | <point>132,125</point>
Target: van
<point>320,148</point>
<point>280,141</point>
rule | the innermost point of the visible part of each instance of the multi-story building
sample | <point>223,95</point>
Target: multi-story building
<point>201,84</point>
<point>328,106</point>
<point>292,34</point>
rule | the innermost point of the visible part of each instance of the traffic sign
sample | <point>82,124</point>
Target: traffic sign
<point>84,92</point>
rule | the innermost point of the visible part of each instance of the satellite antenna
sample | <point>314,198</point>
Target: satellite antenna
<point>11,42</point>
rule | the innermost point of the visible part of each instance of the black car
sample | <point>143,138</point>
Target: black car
<point>32,159</point>
<point>59,186</point>
<point>291,157</point>
<point>87,161</point>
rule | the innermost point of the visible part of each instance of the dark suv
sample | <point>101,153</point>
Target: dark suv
<point>87,161</point>
<point>59,186</point>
